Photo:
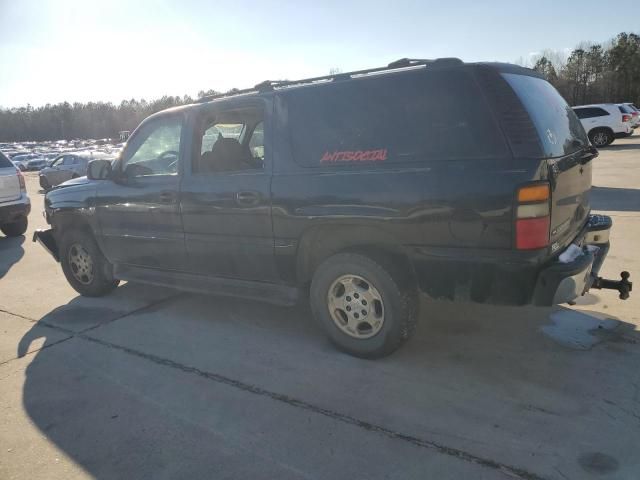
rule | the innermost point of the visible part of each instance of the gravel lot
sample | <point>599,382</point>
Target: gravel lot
<point>153,383</point>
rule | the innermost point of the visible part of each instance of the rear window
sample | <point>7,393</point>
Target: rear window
<point>559,129</point>
<point>5,162</point>
<point>403,118</point>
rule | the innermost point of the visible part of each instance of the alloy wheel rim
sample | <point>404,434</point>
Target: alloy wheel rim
<point>81,264</point>
<point>600,139</point>
<point>356,306</point>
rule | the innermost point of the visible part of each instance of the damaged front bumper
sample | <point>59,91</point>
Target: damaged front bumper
<point>567,279</point>
<point>48,241</point>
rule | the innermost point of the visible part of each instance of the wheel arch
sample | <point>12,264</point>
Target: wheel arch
<point>597,129</point>
<point>319,243</point>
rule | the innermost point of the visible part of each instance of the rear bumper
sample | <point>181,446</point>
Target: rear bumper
<point>13,211</point>
<point>511,277</point>
<point>564,282</point>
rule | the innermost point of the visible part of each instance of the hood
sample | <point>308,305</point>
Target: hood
<point>74,181</point>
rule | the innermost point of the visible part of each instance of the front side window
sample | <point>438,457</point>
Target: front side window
<point>155,149</point>
<point>231,141</point>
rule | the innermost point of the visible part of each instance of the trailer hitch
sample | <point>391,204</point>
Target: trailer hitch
<point>624,286</point>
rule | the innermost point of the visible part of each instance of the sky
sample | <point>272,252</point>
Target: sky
<point>110,50</point>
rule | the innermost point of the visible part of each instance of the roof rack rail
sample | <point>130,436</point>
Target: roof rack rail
<point>271,85</point>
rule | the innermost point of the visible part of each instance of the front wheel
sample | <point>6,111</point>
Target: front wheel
<point>15,229</point>
<point>366,310</point>
<point>84,266</point>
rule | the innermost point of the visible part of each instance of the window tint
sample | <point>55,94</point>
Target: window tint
<point>68,160</point>
<point>4,161</point>
<point>155,149</point>
<point>225,143</point>
<point>559,129</point>
<point>599,112</point>
<point>582,112</point>
<point>224,130</point>
<point>408,117</point>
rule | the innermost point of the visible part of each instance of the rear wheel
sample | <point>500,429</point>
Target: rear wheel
<point>84,266</point>
<point>601,137</point>
<point>15,229</point>
<point>368,310</point>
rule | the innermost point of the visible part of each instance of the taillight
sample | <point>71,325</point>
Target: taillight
<point>23,187</point>
<point>626,118</point>
<point>533,217</point>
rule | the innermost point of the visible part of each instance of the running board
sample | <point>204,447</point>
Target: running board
<point>275,293</point>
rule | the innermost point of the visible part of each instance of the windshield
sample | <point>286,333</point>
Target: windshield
<point>558,127</point>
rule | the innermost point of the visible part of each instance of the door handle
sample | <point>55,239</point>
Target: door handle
<point>248,198</point>
<point>167,197</point>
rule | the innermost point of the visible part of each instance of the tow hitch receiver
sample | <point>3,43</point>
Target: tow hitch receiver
<point>624,286</point>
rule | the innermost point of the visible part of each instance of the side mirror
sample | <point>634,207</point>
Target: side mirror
<point>99,169</point>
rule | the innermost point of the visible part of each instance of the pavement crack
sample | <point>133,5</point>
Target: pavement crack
<point>52,344</point>
<point>515,472</point>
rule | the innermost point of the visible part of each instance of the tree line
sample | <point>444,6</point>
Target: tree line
<point>591,73</point>
<point>595,73</point>
<point>82,120</point>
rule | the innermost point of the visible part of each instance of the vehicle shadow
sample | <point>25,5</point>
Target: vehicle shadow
<point>11,252</point>
<point>147,397</point>
<point>623,146</point>
<point>615,199</point>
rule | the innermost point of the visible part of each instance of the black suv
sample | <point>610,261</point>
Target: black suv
<point>463,181</point>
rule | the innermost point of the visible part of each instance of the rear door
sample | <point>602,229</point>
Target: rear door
<point>9,183</point>
<point>566,148</point>
<point>225,197</point>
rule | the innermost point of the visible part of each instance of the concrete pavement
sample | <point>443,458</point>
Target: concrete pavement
<point>152,383</point>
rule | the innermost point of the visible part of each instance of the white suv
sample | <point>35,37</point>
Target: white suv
<point>14,202</point>
<point>604,122</point>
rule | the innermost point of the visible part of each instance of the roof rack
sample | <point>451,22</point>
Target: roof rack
<point>271,85</point>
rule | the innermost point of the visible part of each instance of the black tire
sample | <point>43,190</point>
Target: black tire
<point>98,281</point>
<point>398,294</point>
<point>15,229</point>
<point>601,137</point>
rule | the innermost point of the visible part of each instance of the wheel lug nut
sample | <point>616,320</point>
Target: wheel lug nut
<point>364,313</point>
<point>348,298</point>
<point>348,308</point>
<point>355,295</point>
<point>356,315</point>
<point>364,302</point>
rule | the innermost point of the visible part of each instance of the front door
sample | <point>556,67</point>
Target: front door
<point>139,214</point>
<point>225,196</point>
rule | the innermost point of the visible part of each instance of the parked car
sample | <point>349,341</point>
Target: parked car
<point>66,167</point>
<point>628,110</point>
<point>363,189</point>
<point>604,123</point>
<point>23,160</point>
<point>37,163</point>
<point>14,202</point>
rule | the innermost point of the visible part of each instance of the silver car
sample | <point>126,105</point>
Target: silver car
<point>63,168</point>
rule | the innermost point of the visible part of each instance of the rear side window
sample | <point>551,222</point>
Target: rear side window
<point>559,129</point>
<point>4,161</point>
<point>393,119</point>
<point>590,112</point>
